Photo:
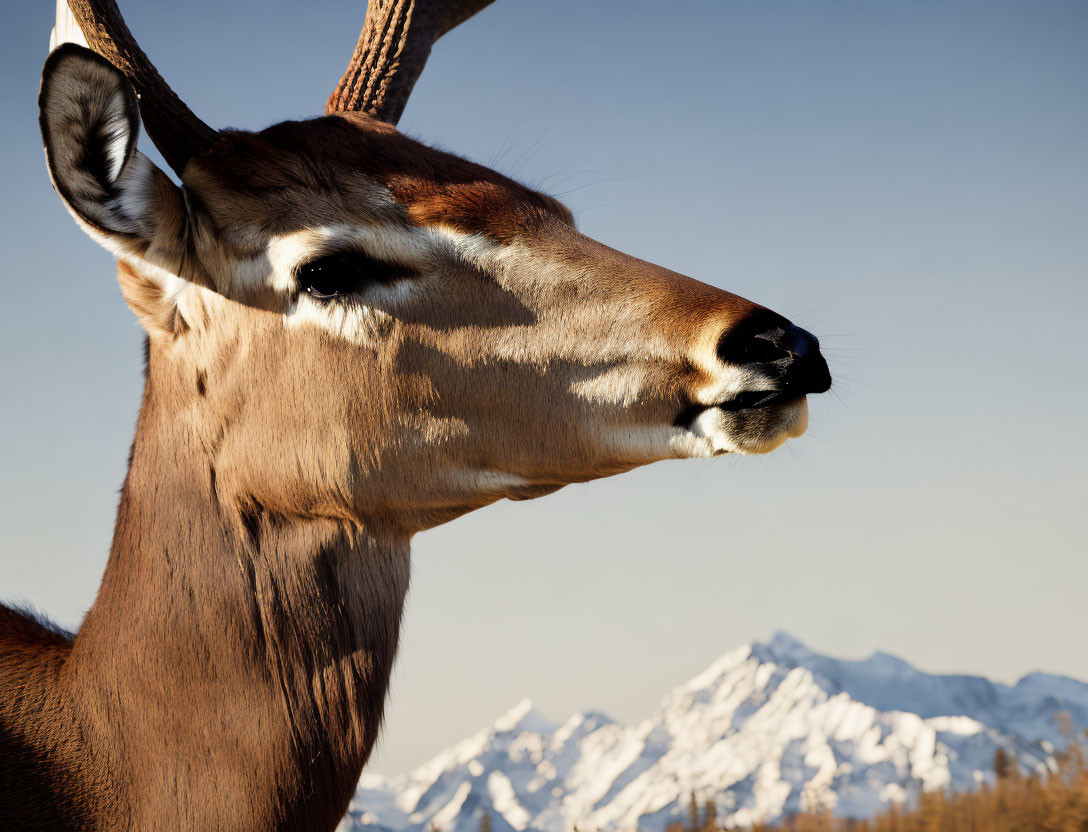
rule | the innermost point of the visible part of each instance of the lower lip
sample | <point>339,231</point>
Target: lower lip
<point>745,401</point>
<point>753,400</point>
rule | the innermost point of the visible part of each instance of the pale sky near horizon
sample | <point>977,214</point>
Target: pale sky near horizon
<point>907,180</point>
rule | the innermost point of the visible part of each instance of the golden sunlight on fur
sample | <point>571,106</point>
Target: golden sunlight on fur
<point>352,337</point>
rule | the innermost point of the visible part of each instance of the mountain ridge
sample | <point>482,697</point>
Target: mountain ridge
<point>768,729</point>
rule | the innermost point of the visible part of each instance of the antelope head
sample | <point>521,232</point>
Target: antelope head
<point>354,326</point>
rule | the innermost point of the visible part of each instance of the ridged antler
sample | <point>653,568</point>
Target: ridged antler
<point>396,39</point>
<point>173,127</point>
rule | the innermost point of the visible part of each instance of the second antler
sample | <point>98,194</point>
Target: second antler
<point>396,39</point>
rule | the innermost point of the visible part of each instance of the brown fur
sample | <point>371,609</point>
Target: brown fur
<point>230,675</point>
<point>232,671</point>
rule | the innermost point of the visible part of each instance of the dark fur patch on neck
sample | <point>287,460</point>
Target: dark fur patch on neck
<point>23,625</point>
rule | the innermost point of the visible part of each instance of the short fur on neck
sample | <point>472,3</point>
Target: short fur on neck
<point>231,673</point>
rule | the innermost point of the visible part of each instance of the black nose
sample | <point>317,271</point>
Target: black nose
<point>781,350</point>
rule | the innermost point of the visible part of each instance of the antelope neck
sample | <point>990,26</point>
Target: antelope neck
<point>233,660</point>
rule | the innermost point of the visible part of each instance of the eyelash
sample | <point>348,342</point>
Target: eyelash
<point>343,273</point>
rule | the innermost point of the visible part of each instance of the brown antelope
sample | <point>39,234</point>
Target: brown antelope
<point>351,338</point>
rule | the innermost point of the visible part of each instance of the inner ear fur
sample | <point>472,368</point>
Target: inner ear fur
<point>90,121</point>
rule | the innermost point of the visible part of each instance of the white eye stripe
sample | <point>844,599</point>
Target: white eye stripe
<point>356,322</point>
<point>473,248</point>
<point>415,247</point>
<point>409,246</point>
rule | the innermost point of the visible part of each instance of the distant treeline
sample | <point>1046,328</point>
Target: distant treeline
<point>1056,802</point>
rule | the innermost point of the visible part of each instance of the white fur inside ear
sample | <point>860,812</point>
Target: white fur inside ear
<point>116,130</point>
<point>65,30</point>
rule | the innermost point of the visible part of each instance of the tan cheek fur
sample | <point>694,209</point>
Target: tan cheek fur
<point>523,357</point>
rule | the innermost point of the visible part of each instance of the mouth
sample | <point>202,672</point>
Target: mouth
<point>753,422</point>
<point>748,400</point>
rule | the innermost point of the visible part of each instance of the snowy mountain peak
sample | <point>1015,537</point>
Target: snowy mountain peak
<point>782,648</point>
<point>787,645</point>
<point>524,716</point>
<point>766,730</point>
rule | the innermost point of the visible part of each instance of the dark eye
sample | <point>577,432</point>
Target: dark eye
<point>345,272</point>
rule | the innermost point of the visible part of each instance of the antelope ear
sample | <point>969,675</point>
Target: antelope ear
<point>89,121</point>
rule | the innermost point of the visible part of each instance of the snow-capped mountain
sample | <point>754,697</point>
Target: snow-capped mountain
<point>767,730</point>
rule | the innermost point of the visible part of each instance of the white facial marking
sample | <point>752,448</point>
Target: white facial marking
<point>347,320</point>
<point>408,246</point>
<point>354,320</point>
<point>712,427</point>
<point>621,385</point>
<point>729,380</point>
<point>711,434</point>
<point>473,248</point>
<point>618,385</point>
<point>287,252</point>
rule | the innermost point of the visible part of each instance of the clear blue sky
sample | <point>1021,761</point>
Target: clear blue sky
<point>907,179</point>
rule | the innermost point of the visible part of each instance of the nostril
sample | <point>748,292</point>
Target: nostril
<point>766,338</point>
<point>788,355</point>
<point>763,348</point>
